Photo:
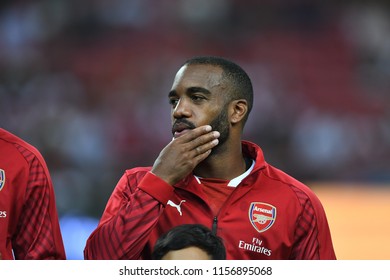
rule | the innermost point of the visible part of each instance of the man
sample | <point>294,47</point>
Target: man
<point>189,242</point>
<point>29,226</point>
<point>208,175</point>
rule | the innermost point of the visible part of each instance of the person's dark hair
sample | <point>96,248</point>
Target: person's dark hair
<point>190,235</point>
<point>241,83</point>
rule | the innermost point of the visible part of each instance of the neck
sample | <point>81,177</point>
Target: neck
<point>226,165</point>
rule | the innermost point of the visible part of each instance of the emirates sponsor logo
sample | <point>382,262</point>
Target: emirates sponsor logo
<point>256,245</point>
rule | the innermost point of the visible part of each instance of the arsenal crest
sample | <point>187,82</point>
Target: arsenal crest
<point>2,178</point>
<point>262,215</point>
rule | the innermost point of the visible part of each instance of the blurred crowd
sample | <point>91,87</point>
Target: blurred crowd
<point>87,81</point>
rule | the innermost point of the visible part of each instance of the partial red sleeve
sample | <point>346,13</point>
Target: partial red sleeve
<point>39,236</point>
<point>312,235</point>
<point>130,215</point>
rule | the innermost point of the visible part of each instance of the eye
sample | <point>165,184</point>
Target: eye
<point>197,98</point>
<point>173,101</point>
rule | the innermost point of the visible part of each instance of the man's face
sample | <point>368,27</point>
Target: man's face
<point>198,97</point>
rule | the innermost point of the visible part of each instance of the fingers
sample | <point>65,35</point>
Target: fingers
<point>200,139</point>
<point>184,153</point>
<point>200,144</point>
<point>194,133</point>
<point>203,147</point>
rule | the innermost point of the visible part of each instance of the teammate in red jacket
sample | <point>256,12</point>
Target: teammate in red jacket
<point>29,226</point>
<point>208,175</point>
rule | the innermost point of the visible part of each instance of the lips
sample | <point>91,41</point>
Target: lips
<point>181,127</point>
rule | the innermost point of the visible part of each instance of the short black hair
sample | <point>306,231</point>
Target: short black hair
<point>241,83</point>
<point>190,235</point>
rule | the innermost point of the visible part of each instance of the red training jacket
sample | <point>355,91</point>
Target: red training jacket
<point>269,215</point>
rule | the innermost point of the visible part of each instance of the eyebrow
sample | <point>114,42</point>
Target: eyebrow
<point>191,90</point>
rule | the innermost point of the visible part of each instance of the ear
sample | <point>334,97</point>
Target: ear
<point>238,110</point>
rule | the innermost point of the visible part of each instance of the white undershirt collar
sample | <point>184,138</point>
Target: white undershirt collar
<point>235,181</point>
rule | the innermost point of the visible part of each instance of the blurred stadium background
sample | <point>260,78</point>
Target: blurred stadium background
<point>86,82</point>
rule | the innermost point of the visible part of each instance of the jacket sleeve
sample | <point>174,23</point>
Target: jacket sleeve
<point>38,233</point>
<point>312,234</point>
<point>130,215</point>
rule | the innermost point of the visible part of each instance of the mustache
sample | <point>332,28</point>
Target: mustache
<point>185,122</point>
<point>181,122</point>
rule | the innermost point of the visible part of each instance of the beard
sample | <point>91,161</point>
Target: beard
<point>221,124</point>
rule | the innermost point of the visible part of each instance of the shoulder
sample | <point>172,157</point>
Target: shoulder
<point>137,171</point>
<point>16,146</point>
<point>296,189</point>
<point>276,178</point>
<point>134,175</point>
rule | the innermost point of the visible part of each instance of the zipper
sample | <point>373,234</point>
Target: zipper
<point>214,227</point>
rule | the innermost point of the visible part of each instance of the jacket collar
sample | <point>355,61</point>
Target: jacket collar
<point>249,149</point>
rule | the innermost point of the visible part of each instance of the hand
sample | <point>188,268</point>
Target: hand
<point>184,153</point>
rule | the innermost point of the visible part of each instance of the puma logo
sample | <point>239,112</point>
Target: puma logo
<point>177,206</point>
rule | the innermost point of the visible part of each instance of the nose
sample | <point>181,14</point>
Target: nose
<point>182,109</point>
